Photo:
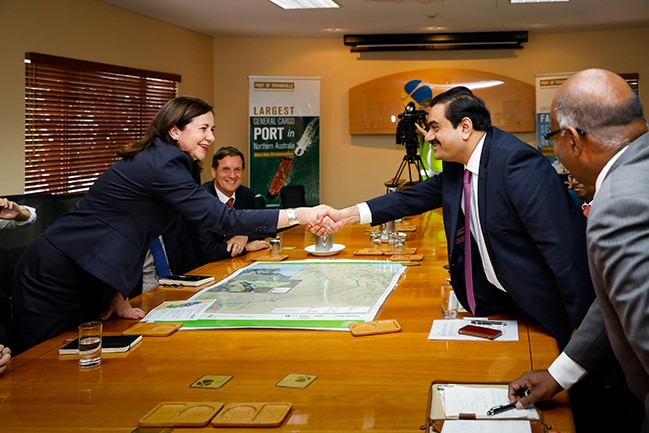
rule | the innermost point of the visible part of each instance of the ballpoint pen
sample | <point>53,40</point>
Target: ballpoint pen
<point>502,408</point>
<point>488,322</point>
<point>505,407</point>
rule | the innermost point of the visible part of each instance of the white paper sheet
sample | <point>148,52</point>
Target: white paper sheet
<point>177,311</point>
<point>446,329</point>
<point>457,399</point>
<point>477,426</point>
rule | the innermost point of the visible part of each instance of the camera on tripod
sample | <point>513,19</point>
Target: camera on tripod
<point>408,137</point>
<point>407,134</point>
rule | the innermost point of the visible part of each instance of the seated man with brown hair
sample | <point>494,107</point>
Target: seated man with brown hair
<point>187,246</point>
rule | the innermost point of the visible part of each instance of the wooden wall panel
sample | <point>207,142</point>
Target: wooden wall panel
<point>373,104</point>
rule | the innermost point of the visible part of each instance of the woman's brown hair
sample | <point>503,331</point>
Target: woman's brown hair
<point>177,112</point>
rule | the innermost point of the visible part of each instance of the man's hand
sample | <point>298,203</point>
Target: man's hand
<point>10,210</point>
<point>122,308</point>
<point>532,387</point>
<point>236,244</point>
<point>5,356</point>
<point>257,245</point>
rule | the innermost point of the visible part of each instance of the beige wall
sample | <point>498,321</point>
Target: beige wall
<point>353,168</point>
<point>88,30</point>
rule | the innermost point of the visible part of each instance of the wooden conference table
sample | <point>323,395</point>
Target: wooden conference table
<point>371,383</point>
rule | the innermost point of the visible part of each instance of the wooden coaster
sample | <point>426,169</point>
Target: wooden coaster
<point>263,414</point>
<point>159,329</point>
<point>268,258</point>
<point>407,257</point>
<point>181,414</point>
<point>406,251</point>
<point>368,252</point>
<point>374,327</point>
<point>401,227</point>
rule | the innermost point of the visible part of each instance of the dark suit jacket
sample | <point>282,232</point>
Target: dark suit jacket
<point>617,247</point>
<point>534,233</point>
<point>135,200</point>
<point>189,246</point>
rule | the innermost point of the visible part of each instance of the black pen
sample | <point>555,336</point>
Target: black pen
<point>488,322</point>
<point>502,408</point>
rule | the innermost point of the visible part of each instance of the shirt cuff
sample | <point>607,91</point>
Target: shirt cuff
<point>364,212</point>
<point>566,371</point>
<point>31,219</point>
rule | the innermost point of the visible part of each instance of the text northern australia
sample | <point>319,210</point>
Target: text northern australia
<point>273,146</point>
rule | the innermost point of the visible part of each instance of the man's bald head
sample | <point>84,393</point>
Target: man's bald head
<point>601,103</point>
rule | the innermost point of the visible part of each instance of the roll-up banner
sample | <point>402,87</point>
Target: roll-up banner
<point>284,136</point>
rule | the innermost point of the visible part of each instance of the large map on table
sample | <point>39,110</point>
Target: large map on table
<point>312,294</point>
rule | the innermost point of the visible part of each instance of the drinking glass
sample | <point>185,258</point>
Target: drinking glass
<point>90,344</point>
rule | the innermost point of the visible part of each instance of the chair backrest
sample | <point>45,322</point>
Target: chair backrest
<point>292,196</point>
<point>260,202</point>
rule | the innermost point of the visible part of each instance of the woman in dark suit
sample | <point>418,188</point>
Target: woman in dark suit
<point>90,260</point>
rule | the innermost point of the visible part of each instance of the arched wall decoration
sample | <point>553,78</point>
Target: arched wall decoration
<point>374,105</point>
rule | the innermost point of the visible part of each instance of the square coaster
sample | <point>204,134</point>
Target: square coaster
<point>211,381</point>
<point>252,414</point>
<point>294,380</point>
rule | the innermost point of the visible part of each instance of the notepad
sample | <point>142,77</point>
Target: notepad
<point>109,344</point>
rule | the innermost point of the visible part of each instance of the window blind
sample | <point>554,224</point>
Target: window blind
<point>78,114</point>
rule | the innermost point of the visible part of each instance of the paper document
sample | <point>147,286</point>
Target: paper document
<point>477,426</point>
<point>457,399</point>
<point>447,329</point>
<point>177,311</point>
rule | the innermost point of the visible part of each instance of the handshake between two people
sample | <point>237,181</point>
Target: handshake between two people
<point>324,220</point>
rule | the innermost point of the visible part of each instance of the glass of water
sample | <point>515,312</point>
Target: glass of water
<point>449,301</point>
<point>90,344</point>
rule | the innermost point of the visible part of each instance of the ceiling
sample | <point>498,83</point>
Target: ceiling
<point>261,18</point>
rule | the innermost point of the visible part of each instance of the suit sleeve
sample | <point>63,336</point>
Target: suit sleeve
<point>415,200</point>
<point>617,245</point>
<point>589,345</point>
<point>173,185</point>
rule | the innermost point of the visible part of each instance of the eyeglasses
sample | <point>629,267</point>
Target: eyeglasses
<point>551,134</point>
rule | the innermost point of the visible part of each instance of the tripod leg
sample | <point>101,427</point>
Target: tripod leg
<point>402,166</point>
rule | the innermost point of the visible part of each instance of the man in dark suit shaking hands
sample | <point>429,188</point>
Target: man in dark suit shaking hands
<point>527,237</point>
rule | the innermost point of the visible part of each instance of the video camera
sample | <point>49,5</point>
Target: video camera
<point>407,134</point>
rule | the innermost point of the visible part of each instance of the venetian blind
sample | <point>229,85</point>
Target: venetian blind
<point>78,114</point>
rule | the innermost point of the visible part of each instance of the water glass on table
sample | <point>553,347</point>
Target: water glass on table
<point>275,248</point>
<point>449,301</point>
<point>375,241</point>
<point>399,243</point>
<point>90,344</point>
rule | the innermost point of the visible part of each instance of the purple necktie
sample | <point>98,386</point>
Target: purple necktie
<point>468,271</point>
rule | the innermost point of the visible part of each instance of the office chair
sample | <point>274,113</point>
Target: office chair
<point>292,196</point>
<point>260,202</point>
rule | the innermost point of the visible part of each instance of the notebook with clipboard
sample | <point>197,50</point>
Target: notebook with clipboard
<point>463,407</point>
